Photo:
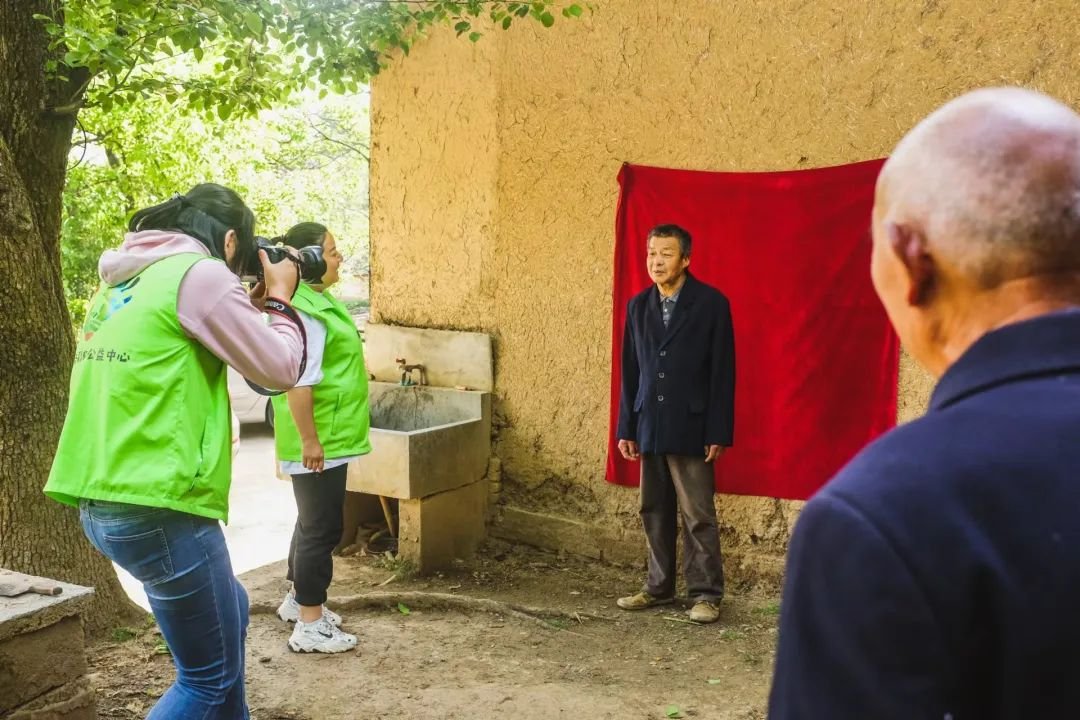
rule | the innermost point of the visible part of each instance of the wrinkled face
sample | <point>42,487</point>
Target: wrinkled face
<point>333,260</point>
<point>895,284</point>
<point>665,260</point>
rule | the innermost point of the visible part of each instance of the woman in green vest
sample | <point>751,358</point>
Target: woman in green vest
<point>144,453</point>
<point>320,426</point>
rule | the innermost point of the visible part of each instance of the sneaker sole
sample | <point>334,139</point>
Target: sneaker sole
<point>656,603</point>
<point>296,648</point>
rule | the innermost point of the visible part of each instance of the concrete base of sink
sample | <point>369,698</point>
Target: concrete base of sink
<point>438,529</point>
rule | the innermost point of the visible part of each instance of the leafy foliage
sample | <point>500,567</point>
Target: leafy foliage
<point>280,161</point>
<point>150,67</point>
<point>242,56</point>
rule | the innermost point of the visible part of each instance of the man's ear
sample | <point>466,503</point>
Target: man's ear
<point>909,246</point>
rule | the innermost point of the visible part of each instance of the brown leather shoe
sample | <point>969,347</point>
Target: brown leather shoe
<point>642,601</point>
<point>705,612</point>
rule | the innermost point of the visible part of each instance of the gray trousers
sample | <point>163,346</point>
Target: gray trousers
<point>671,484</point>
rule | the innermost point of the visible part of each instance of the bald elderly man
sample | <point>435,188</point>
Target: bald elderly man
<point>937,576</point>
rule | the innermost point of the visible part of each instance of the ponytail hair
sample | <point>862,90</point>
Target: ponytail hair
<point>303,234</point>
<point>207,212</point>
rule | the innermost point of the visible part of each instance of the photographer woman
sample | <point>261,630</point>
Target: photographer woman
<point>320,426</point>
<point>145,450</point>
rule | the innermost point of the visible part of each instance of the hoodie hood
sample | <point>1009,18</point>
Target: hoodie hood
<point>142,249</point>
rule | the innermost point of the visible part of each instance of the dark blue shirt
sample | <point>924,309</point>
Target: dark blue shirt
<point>938,574</point>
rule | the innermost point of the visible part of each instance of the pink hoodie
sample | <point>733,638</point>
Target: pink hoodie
<point>214,309</point>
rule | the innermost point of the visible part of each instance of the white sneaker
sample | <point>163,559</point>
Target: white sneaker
<point>289,611</point>
<point>320,636</point>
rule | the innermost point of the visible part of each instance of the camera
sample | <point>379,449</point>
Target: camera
<point>310,259</point>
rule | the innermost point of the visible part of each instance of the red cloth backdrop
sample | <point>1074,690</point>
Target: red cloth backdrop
<point>816,360</point>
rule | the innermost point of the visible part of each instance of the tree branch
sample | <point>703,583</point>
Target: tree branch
<point>361,152</point>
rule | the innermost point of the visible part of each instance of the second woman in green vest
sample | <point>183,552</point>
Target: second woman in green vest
<point>321,425</point>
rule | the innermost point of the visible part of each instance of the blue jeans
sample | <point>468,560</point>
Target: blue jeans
<point>199,605</point>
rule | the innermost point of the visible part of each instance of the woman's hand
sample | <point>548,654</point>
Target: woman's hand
<point>281,278</point>
<point>258,296</point>
<point>313,454</point>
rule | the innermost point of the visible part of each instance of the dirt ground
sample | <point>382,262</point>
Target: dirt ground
<point>578,656</point>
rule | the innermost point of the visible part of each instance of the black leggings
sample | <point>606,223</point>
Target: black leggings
<point>320,499</point>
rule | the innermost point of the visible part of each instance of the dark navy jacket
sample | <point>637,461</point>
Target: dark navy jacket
<point>938,574</point>
<point>678,382</point>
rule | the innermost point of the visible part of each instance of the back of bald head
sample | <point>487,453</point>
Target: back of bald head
<point>992,181</point>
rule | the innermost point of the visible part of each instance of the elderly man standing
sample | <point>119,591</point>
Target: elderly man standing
<point>938,574</point>
<point>676,415</point>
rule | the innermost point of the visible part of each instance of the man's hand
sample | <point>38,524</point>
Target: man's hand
<point>313,454</point>
<point>629,449</point>
<point>713,451</point>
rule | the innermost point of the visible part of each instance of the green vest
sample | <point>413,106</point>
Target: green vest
<point>148,413</point>
<point>340,399</point>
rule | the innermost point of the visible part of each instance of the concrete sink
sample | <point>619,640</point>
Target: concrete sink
<point>424,440</point>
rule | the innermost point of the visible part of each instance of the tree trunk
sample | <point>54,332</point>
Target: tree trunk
<point>38,536</point>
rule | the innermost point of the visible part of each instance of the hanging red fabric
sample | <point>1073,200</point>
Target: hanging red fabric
<point>816,359</point>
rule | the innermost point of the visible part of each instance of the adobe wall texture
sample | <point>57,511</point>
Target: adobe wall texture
<point>494,190</point>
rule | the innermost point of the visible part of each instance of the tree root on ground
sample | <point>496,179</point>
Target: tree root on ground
<point>416,599</point>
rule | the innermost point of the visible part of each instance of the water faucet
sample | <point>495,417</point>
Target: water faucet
<point>407,371</point>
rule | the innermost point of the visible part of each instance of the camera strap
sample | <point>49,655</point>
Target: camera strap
<point>282,309</point>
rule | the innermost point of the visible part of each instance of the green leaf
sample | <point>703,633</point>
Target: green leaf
<point>401,608</point>
<point>254,22</point>
<point>574,10</point>
<point>547,19</point>
<point>506,22</point>
<point>462,27</point>
<point>673,711</point>
<point>475,36</point>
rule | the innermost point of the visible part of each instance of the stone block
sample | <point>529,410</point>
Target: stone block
<point>37,662</point>
<point>451,359</point>
<point>42,655</point>
<point>73,701</point>
<point>436,530</point>
<point>30,611</point>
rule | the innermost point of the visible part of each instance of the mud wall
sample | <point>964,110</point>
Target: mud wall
<point>494,192</point>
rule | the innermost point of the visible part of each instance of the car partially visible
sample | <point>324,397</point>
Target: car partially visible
<point>248,405</point>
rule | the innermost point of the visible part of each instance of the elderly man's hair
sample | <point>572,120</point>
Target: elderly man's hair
<point>994,179</point>
<point>673,231</point>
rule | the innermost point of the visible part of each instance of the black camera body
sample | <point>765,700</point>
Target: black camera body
<point>309,259</point>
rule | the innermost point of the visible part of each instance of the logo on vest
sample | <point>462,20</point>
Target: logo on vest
<point>107,305</point>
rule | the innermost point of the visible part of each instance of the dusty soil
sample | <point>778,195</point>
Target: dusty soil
<point>583,659</point>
